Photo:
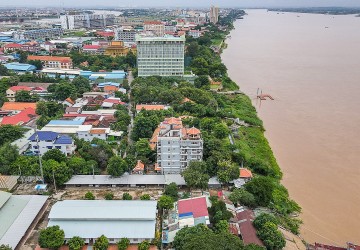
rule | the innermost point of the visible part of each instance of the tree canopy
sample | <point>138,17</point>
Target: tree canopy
<point>195,175</point>
<point>101,243</point>
<point>76,243</point>
<point>116,166</point>
<point>51,237</point>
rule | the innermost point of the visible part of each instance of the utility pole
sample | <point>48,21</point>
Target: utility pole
<point>40,160</point>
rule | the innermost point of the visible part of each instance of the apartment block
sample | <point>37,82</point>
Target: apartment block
<point>214,14</point>
<point>38,34</point>
<point>156,27</point>
<point>163,56</point>
<point>125,34</point>
<point>93,21</point>
<point>61,62</point>
<point>176,145</point>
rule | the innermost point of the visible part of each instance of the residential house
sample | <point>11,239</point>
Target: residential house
<point>245,218</point>
<point>61,62</point>
<point>12,47</point>
<point>139,168</point>
<point>186,213</point>
<point>16,107</point>
<point>93,49</point>
<point>21,118</point>
<point>88,133</point>
<point>42,141</point>
<point>195,33</point>
<point>68,102</point>
<point>11,92</point>
<point>177,145</point>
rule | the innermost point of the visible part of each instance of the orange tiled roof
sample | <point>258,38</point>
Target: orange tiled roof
<point>19,88</point>
<point>154,138</point>
<point>97,131</point>
<point>157,168</point>
<point>69,100</point>
<point>172,121</point>
<point>110,88</point>
<point>51,58</point>
<point>150,107</point>
<point>139,166</point>
<point>9,106</point>
<point>245,173</point>
<point>193,131</point>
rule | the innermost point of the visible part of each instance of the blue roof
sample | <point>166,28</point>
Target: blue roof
<point>103,84</point>
<point>44,136</point>
<point>189,214</point>
<point>64,139</point>
<point>75,121</point>
<point>20,66</point>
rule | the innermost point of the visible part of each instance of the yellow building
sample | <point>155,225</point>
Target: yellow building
<point>117,48</point>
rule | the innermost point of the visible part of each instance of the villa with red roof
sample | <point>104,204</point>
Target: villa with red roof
<point>11,92</point>
<point>21,118</point>
<point>176,145</point>
<point>61,62</point>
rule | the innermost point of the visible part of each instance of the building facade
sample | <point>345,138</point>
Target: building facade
<point>163,56</point>
<point>43,141</point>
<point>125,34</point>
<point>38,34</point>
<point>117,48</point>
<point>61,62</point>
<point>71,22</point>
<point>214,14</point>
<point>177,146</point>
<point>156,27</point>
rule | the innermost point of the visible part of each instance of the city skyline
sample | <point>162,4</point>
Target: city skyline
<point>184,3</point>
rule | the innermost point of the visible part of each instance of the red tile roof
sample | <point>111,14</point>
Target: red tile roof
<point>149,107</point>
<point>19,119</point>
<point>12,45</point>
<point>245,173</point>
<point>18,88</point>
<point>63,59</point>
<point>247,229</point>
<point>10,106</point>
<point>197,206</point>
<point>105,33</point>
<point>193,131</point>
<point>91,47</point>
<point>139,166</point>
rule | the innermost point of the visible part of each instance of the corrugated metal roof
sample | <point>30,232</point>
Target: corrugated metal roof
<point>103,210</point>
<point>4,196</point>
<point>44,136</point>
<point>20,66</point>
<point>18,215</point>
<point>64,140</point>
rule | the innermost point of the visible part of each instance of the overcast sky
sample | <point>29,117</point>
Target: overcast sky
<point>180,3</point>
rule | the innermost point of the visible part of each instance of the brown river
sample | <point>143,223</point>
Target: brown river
<point>310,65</point>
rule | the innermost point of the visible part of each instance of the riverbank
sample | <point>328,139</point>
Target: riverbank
<point>311,124</point>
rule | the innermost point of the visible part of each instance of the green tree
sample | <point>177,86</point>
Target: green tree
<point>195,175</point>
<point>78,165</point>
<point>218,211</point>
<point>41,108</point>
<point>123,244</point>
<point>54,154</point>
<point>25,96</point>
<point>130,59</point>
<point>144,126</point>
<point>222,226</point>
<point>253,246</point>
<point>172,191</point>
<point>227,172</point>
<point>116,166</point>
<point>127,196</point>
<point>271,236</point>
<point>89,196</point>
<point>3,70</point>
<point>200,66</point>
<point>188,233</point>
<point>193,49</point>
<point>10,133</point>
<point>261,220</point>
<point>51,237</point>
<point>243,197</point>
<point>144,245</point>
<point>36,63</point>
<point>143,150</point>
<point>101,243</point>
<point>8,155</point>
<point>202,81</point>
<point>3,246</point>
<point>109,196</point>
<point>64,90</point>
<point>221,131</point>
<point>262,188</point>
<point>145,197</point>
<point>166,202</point>
<point>58,170</point>
<point>82,84</point>
<point>76,243</point>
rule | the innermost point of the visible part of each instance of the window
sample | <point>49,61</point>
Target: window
<point>58,147</point>
<point>49,147</point>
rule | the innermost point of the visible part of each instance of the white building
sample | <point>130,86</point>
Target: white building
<point>116,219</point>
<point>43,141</point>
<point>71,22</point>
<point>176,145</point>
<point>163,56</point>
<point>89,134</point>
<point>125,34</point>
<point>38,34</point>
<point>214,14</point>
<point>156,27</point>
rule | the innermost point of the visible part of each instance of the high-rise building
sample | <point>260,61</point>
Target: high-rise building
<point>162,56</point>
<point>176,146</point>
<point>156,27</point>
<point>214,14</point>
<point>125,34</point>
<point>71,22</point>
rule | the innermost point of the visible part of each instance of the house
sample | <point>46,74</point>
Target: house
<point>11,92</point>
<point>68,102</point>
<point>139,168</point>
<point>186,213</point>
<point>92,49</point>
<point>61,62</point>
<point>96,94</point>
<point>18,213</point>
<point>21,118</point>
<point>16,107</point>
<point>116,219</point>
<point>139,107</point>
<point>20,68</point>
<point>245,218</point>
<point>88,133</point>
<point>42,141</point>
<point>12,47</point>
<point>245,175</point>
